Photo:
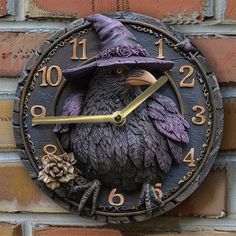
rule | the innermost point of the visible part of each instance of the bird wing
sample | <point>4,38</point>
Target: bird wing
<point>167,120</point>
<point>72,107</point>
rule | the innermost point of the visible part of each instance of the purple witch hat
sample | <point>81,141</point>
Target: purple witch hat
<point>118,47</point>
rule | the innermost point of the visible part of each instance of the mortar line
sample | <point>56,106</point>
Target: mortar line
<point>220,7</point>
<point>161,223</point>
<point>27,228</point>
<point>20,10</point>
<point>209,28</point>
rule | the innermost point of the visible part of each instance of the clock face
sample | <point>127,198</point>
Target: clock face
<point>110,170</point>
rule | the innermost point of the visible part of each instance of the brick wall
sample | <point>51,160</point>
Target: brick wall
<point>24,25</point>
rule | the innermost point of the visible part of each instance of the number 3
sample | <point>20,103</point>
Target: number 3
<point>200,119</point>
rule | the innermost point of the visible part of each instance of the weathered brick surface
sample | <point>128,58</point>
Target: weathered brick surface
<point>221,55</point>
<point>16,49</point>
<point>3,8</point>
<point>203,233</point>
<point>230,13</point>
<point>10,229</point>
<point>65,231</point>
<point>181,10</point>
<point>228,142</point>
<point>208,200</point>
<point>229,135</point>
<point>19,193</point>
<point>6,138</point>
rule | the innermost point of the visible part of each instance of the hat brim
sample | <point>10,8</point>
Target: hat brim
<point>148,63</point>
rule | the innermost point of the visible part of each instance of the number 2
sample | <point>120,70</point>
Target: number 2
<point>184,83</point>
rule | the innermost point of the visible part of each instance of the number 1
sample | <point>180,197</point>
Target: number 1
<point>161,49</point>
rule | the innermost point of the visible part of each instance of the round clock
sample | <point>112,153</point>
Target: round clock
<point>118,117</point>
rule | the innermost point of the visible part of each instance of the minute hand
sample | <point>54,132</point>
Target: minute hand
<point>143,96</point>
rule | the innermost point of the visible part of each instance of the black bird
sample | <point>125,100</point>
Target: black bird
<point>137,153</point>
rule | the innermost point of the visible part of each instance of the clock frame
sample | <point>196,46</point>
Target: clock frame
<point>42,91</point>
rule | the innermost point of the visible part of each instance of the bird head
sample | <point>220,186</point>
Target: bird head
<point>126,75</point>
<point>138,77</point>
<point>122,81</point>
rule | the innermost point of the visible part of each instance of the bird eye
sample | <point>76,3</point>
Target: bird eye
<point>119,70</point>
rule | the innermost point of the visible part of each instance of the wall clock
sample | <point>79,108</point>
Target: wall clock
<point>118,117</point>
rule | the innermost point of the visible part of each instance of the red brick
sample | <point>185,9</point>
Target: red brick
<point>7,139</point>
<point>10,230</point>
<point>199,233</point>
<point>19,193</point>
<point>16,49</point>
<point>221,55</point>
<point>163,9</point>
<point>65,231</point>
<point>230,13</point>
<point>208,200</point>
<point>3,8</point>
<point>229,135</point>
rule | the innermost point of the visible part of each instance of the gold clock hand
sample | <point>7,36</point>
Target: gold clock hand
<point>117,117</point>
<point>76,119</point>
<point>142,97</point>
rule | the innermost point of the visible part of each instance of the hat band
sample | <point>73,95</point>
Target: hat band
<point>123,51</point>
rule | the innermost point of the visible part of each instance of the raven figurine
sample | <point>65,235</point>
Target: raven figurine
<point>138,152</point>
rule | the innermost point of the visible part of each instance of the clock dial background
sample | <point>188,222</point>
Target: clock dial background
<point>202,137</point>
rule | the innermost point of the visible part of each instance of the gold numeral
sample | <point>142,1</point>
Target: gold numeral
<point>200,119</point>
<point>161,49</point>
<point>47,76</point>
<point>75,43</point>
<point>184,83</point>
<point>120,198</point>
<point>38,111</point>
<point>158,190</point>
<point>189,158</point>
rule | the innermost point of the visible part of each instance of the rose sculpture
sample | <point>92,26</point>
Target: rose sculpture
<point>57,169</point>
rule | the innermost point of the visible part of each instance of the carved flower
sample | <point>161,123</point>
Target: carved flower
<point>124,51</point>
<point>57,169</point>
<point>142,51</point>
<point>104,55</point>
<point>135,51</point>
<point>112,51</point>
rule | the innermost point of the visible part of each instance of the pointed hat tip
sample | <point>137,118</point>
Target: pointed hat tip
<point>95,17</point>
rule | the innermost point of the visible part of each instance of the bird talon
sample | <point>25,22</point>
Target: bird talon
<point>149,197</point>
<point>91,189</point>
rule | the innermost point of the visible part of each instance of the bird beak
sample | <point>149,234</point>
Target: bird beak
<point>140,77</point>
